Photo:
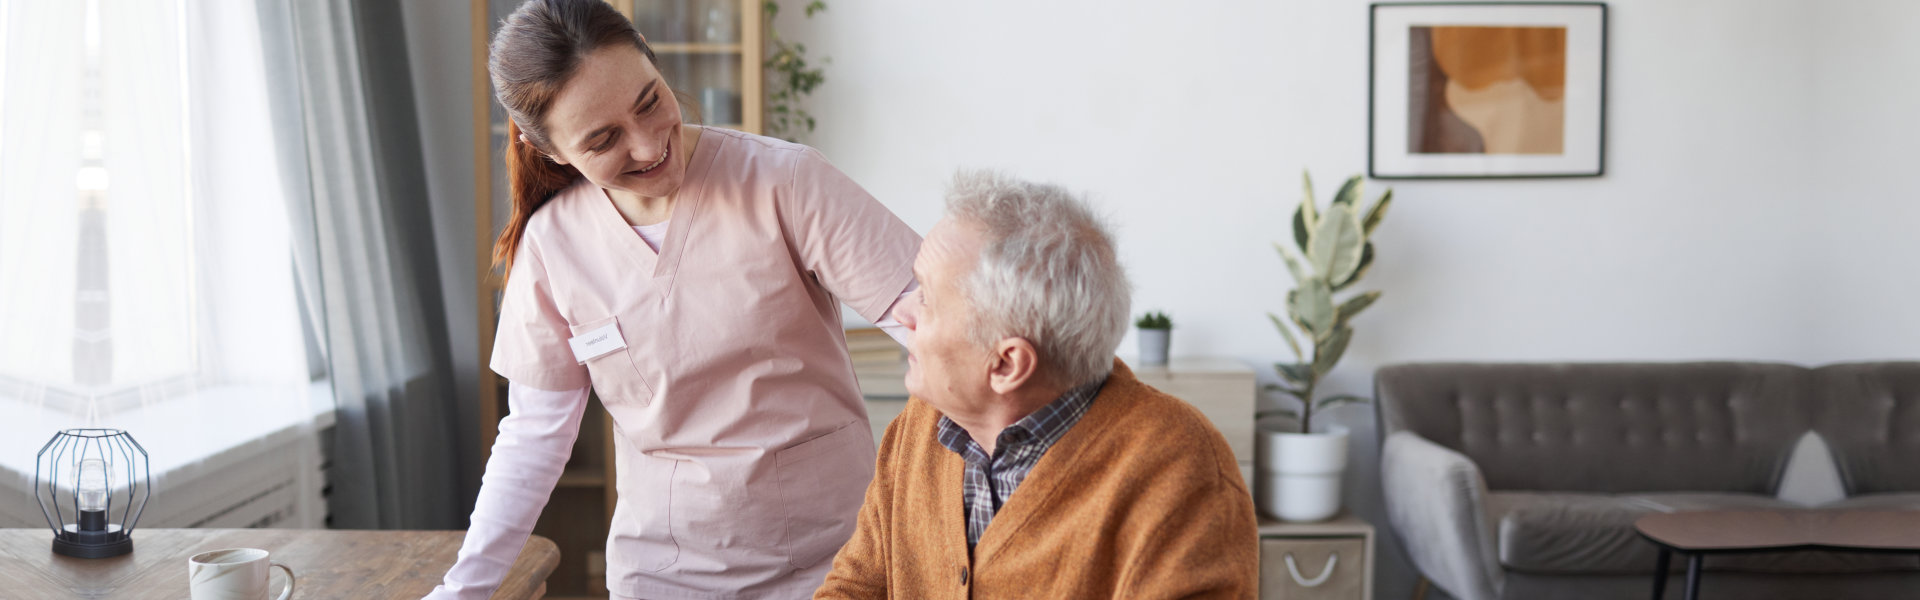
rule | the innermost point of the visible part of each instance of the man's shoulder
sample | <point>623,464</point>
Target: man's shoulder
<point>911,434</point>
<point>1153,430</point>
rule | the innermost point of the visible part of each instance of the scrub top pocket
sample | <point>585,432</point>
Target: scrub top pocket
<point>818,477</point>
<point>615,375</point>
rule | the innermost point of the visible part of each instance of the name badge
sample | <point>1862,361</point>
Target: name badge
<point>597,343</point>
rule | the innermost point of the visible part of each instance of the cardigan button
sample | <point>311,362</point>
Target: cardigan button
<point>963,575</point>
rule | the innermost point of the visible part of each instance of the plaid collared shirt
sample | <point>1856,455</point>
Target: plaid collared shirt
<point>990,480</point>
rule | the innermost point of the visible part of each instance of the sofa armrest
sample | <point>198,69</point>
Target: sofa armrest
<point>1436,500</point>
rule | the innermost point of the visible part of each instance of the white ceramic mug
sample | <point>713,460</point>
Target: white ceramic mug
<point>233,574</point>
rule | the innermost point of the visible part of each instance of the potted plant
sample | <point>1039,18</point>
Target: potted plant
<point>1300,469</point>
<point>1156,331</point>
<point>790,78</point>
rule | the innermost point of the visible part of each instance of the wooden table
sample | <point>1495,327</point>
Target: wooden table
<point>328,563</point>
<point>1699,533</point>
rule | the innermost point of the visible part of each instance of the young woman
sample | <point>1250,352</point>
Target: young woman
<point>692,277</point>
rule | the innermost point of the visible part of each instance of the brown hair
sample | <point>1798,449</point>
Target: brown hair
<point>542,43</point>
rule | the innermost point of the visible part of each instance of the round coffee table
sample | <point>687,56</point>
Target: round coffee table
<point>1697,534</point>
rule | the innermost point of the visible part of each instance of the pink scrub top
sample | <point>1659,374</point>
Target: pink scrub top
<point>741,439</point>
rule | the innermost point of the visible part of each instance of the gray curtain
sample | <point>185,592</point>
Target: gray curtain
<point>343,100</point>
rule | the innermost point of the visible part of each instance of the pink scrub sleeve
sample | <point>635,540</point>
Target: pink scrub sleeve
<point>530,343</point>
<point>845,238</point>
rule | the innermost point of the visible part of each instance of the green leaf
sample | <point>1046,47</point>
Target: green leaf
<point>1277,412</point>
<point>1349,192</point>
<point>1306,217</point>
<point>1307,202</point>
<point>1375,214</point>
<point>1354,305</point>
<point>1332,401</point>
<point>1366,260</point>
<point>1306,184</point>
<point>1296,394</point>
<point>1287,332</point>
<point>1327,354</point>
<point>1301,235</point>
<point>1313,307</point>
<point>1275,387</point>
<point>1300,374</point>
<point>1295,317</point>
<point>1337,245</point>
<point>1293,264</point>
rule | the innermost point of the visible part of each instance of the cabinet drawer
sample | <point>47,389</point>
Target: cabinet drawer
<point>1323,568</point>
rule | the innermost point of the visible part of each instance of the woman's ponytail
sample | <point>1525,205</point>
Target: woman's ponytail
<point>531,57</point>
<point>532,180</point>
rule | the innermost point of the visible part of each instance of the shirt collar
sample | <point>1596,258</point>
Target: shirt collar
<point>1046,424</point>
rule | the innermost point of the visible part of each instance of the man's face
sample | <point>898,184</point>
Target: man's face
<point>944,367</point>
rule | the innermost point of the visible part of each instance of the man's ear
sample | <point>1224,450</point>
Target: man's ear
<point>1015,364</point>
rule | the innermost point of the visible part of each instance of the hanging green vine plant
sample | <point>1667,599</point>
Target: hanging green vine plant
<point>790,78</point>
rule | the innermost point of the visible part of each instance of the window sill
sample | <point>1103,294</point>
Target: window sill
<point>185,437</point>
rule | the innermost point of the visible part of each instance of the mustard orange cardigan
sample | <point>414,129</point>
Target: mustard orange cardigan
<point>1141,499</point>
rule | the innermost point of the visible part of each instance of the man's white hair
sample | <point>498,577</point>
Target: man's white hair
<point>1048,273</point>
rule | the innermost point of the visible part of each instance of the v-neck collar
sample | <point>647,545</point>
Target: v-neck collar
<point>1042,483</point>
<point>686,210</point>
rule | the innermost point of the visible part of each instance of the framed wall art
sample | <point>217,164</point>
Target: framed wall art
<point>1486,90</point>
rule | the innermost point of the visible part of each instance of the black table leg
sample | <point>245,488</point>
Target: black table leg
<point>1660,573</point>
<point>1693,576</point>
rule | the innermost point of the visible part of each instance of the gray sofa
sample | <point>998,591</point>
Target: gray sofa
<point>1523,480</point>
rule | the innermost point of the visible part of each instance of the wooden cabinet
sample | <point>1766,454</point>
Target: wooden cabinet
<point>710,53</point>
<point>1331,560</point>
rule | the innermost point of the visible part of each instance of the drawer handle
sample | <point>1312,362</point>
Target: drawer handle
<point>1294,570</point>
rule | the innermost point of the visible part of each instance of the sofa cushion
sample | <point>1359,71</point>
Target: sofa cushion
<point>1888,501</point>
<point>1566,533</point>
<point>1870,416</point>
<point>1606,428</point>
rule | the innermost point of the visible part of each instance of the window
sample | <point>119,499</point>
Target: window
<point>145,249</point>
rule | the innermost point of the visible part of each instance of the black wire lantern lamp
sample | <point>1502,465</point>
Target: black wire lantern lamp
<point>86,474</point>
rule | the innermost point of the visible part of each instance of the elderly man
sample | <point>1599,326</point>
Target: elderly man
<point>1030,463</point>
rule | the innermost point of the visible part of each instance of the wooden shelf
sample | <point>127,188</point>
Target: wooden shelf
<point>583,476</point>
<point>696,48</point>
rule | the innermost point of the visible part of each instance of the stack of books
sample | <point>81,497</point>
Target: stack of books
<point>879,363</point>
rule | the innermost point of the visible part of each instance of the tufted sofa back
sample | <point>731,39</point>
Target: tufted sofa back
<point>1869,414</point>
<point>1610,428</point>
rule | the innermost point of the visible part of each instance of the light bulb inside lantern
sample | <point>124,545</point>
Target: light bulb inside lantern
<point>92,494</point>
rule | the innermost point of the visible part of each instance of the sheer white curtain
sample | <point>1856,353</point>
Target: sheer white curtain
<point>146,252</point>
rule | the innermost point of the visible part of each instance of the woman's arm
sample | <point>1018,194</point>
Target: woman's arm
<point>535,440</point>
<point>891,325</point>
<point>847,240</point>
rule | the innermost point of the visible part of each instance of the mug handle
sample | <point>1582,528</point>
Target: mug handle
<point>287,593</point>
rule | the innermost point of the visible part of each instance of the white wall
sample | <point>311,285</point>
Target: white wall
<point>1867,112</point>
<point>1752,207</point>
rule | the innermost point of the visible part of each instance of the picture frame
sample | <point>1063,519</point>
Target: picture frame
<point>1486,90</point>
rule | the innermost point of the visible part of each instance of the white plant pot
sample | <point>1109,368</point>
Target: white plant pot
<point>1153,346</point>
<point>1297,475</point>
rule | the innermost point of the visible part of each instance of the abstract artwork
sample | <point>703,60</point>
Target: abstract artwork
<point>1487,90</point>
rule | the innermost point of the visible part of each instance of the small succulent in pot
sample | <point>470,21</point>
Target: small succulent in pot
<point>1156,331</point>
<point>1154,320</point>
